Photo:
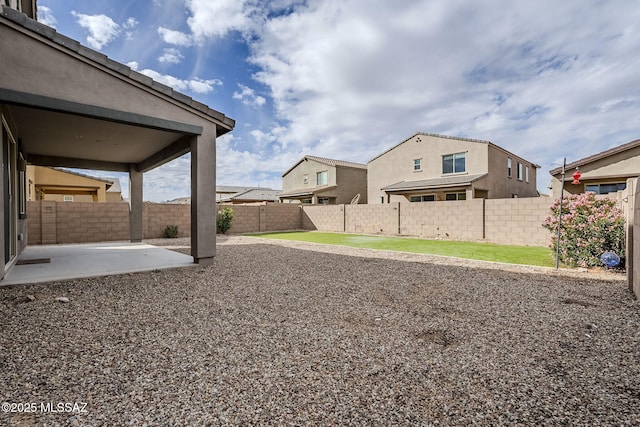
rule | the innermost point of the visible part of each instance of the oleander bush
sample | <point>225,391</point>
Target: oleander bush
<point>589,227</point>
<point>225,216</point>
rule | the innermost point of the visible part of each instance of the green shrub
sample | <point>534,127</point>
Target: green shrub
<point>589,227</point>
<point>171,231</point>
<point>225,216</point>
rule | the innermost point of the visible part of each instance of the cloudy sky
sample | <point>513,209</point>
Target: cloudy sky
<point>347,79</point>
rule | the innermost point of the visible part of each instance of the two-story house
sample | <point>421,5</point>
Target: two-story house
<point>602,173</point>
<point>429,167</point>
<point>318,180</point>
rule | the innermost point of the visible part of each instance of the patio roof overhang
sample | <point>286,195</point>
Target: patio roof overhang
<point>77,108</point>
<point>432,184</point>
<point>70,106</point>
<point>307,193</point>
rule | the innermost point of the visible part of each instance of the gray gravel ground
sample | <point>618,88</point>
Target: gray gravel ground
<point>275,333</point>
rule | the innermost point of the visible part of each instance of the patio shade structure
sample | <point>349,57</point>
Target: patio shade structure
<point>63,104</point>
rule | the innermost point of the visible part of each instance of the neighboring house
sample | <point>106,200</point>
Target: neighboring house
<point>603,173</point>
<point>224,192</point>
<point>429,167</point>
<point>318,180</point>
<point>65,105</point>
<point>253,196</point>
<point>229,194</point>
<point>44,183</point>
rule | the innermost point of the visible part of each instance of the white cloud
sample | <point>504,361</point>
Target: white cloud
<point>195,85</point>
<point>217,18</point>
<point>351,80</point>
<point>175,37</point>
<point>249,97</point>
<point>45,16</point>
<point>102,29</point>
<point>171,56</point>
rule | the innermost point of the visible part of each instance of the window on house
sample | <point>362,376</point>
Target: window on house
<point>606,188</point>
<point>455,196</point>
<point>321,178</point>
<point>526,174</point>
<point>305,178</point>
<point>424,198</point>
<point>67,198</point>
<point>323,200</point>
<point>417,164</point>
<point>509,168</point>
<point>520,171</point>
<point>454,163</point>
<point>306,201</point>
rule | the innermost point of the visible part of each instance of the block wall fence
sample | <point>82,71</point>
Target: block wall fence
<point>506,221</point>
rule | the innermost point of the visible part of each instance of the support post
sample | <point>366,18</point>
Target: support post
<point>135,204</point>
<point>203,203</point>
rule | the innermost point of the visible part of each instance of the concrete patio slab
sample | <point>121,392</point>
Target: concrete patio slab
<point>91,260</point>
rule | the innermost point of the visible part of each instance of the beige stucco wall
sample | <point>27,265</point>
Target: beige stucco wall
<point>500,185</point>
<point>351,181</point>
<point>294,180</point>
<point>397,164</point>
<point>615,168</point>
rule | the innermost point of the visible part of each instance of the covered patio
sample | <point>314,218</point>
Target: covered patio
<point>65,105</point>
<point>49,263</point>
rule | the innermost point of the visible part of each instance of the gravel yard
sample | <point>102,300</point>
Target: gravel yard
<point>291,333</point>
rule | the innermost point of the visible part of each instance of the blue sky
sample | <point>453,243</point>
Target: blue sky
<point>347,79</point>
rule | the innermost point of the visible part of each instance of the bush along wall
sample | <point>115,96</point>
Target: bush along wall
<point>588,228</point>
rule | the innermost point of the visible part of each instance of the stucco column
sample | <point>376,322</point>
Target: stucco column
<point>203,199</point>
<point>135,204</point>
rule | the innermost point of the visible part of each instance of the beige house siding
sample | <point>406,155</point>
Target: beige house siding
<point>615,168</point>
<point>481,157</point>
<point>44,183</point>
<point>343,182</point>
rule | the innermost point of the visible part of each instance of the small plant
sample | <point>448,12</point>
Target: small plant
<point>171,231</point>
<point>225,216</point>
<point>589,227</point>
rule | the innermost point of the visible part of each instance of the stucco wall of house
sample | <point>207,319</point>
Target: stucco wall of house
<point>351,181</point>
<point>396,165</point>
<point>294,180</point>
<point>615,168</point>
<point>500,185</point>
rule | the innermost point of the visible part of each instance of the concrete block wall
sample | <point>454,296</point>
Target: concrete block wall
<point>323,218</point>
<point>517,221</point>
<point>456,220</point>
<point>83,223</point>
<point>246,219</point>
<point>156,217</point>
<point>372,219</point>
<point>279,217</point>
<point>272,217</point>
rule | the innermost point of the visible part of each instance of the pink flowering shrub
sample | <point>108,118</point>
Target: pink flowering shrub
<point>589,227</point>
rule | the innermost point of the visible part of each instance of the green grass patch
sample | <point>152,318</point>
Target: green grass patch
<point>526,255</point>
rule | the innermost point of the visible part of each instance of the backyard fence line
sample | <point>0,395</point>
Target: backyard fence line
<point>503,221</point>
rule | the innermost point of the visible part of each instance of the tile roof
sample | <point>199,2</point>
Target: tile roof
<point>452,181</point>
<point>598,156</point>
<point>255,194</point>
<point>328,162</point>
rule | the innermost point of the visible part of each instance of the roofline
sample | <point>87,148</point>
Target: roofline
<point>321,160</point>
<point>430,187</point>
<point>598,156</point>
<point>429,134</point>
<point>36,29</point>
